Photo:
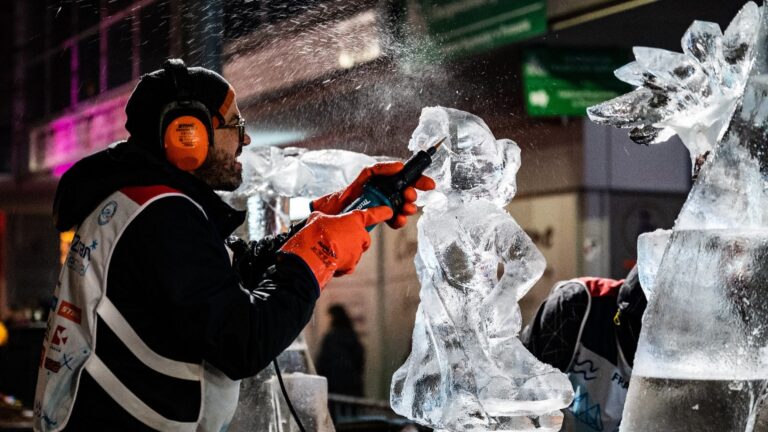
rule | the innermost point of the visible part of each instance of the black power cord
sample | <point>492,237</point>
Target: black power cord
<point>285,395</point>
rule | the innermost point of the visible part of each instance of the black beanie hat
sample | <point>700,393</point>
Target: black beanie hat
<point>156,89</point>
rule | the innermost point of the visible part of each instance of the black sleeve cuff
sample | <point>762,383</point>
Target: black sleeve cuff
<point>295,262</point>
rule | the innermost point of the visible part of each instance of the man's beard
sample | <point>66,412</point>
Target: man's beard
<point>219,171</point>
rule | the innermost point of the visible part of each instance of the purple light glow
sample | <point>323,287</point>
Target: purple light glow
<point>64,138</point>
<point>73,136</point>
<point>59,170</point>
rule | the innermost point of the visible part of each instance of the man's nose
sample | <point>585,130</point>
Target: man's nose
<point>246,140</point>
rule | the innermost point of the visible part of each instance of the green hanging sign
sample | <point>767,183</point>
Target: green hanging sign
<point>565,82</point>
<point>463,27</point>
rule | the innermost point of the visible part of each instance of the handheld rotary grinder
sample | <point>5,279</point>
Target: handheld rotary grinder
<point>388,190</point>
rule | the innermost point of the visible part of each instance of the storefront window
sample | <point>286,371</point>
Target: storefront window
<point>61,80</point>
<point>35,25</point>
<point>88,67</point>
<point>35,91</point>
<point>120,54</point>
<point>155,29</point>
<point>87,14</point>
<point>114,6</point>
<point>60,17</point>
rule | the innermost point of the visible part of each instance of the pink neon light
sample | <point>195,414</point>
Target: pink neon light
<point>64,138</point>
<point>73,136</point>
<point>59,170</point>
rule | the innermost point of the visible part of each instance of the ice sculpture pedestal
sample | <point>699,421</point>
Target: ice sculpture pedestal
<point>703,365</point>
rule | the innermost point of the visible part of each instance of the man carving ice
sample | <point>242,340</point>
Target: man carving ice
<point>163,319</point>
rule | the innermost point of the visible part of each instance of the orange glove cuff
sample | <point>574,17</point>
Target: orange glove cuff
<point>333,245</point>
<point>318,256</point>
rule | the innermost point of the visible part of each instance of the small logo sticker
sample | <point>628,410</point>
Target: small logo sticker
<point>107,213</point>
<point>58,336</point>
<point>79,258</point>
<point>52,365</point>
<point>70,311</point>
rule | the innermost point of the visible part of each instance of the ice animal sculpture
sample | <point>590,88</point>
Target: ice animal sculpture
<point>467,369</point>
<point>702,358</point>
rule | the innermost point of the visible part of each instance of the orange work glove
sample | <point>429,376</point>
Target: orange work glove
<point>334,203</point>
<point>332,245</point>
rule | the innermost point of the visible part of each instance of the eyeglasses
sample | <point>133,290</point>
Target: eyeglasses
<point>239,124</point>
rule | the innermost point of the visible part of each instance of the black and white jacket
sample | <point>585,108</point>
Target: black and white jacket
<point>187,297</point>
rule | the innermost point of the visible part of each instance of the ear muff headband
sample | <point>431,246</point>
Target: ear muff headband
<point>185,124</point>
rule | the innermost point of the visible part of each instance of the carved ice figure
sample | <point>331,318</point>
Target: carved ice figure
<point>702,357</point>
<point>467,369</point>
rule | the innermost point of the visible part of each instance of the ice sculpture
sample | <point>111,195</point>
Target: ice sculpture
<point>296,172</point>
<point>467,369</point>
<point>271,176</point>
<point>692,94</point>
<point>702,358</point>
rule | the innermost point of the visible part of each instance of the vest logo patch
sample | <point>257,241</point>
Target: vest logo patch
<point>587,412</point>
<point>618,379</point>
<point>70,312</point>
<point>586,368</point>
<point>79,258</point>
<point>107,212</point>
<point>58,336</point>
<point>52,365</point>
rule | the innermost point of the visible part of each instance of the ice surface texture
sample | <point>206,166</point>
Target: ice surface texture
<point>705,330</point>
<point>471,163</point>
<point>273,175</point>
<point>650,250</point>
<point>707,319</point>
<point>692,94</point>
<point>467,369</point>
<point>294,172</point>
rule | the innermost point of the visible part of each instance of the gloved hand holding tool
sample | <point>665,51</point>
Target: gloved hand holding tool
<point>332,245</point>
<point>392,184</point>
<point>334,237</point>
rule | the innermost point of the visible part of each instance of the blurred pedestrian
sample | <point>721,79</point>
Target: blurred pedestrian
<point>342,357</point>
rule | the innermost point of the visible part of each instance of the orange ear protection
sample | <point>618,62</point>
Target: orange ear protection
<point>186,129</point>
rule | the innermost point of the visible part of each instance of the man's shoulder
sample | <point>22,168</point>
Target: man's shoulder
<point>568,301</point>
<point>142,195</point>
<point>171,222</point>
<point>569,292</point>
<point>165,208</point>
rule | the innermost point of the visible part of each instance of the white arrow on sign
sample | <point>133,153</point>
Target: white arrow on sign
<point>539,98</point>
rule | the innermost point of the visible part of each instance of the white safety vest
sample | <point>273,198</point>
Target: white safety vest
<point>70,341</point>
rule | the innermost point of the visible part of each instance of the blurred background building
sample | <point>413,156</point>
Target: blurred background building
<point>351,74</point>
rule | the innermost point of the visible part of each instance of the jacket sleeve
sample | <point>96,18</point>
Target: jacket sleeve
<point>553,333</point>
<point>252,259</point>
<point>229,326</point>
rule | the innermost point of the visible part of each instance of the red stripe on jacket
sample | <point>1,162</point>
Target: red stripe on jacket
<point>600,287</point>
<point>142,194</point>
